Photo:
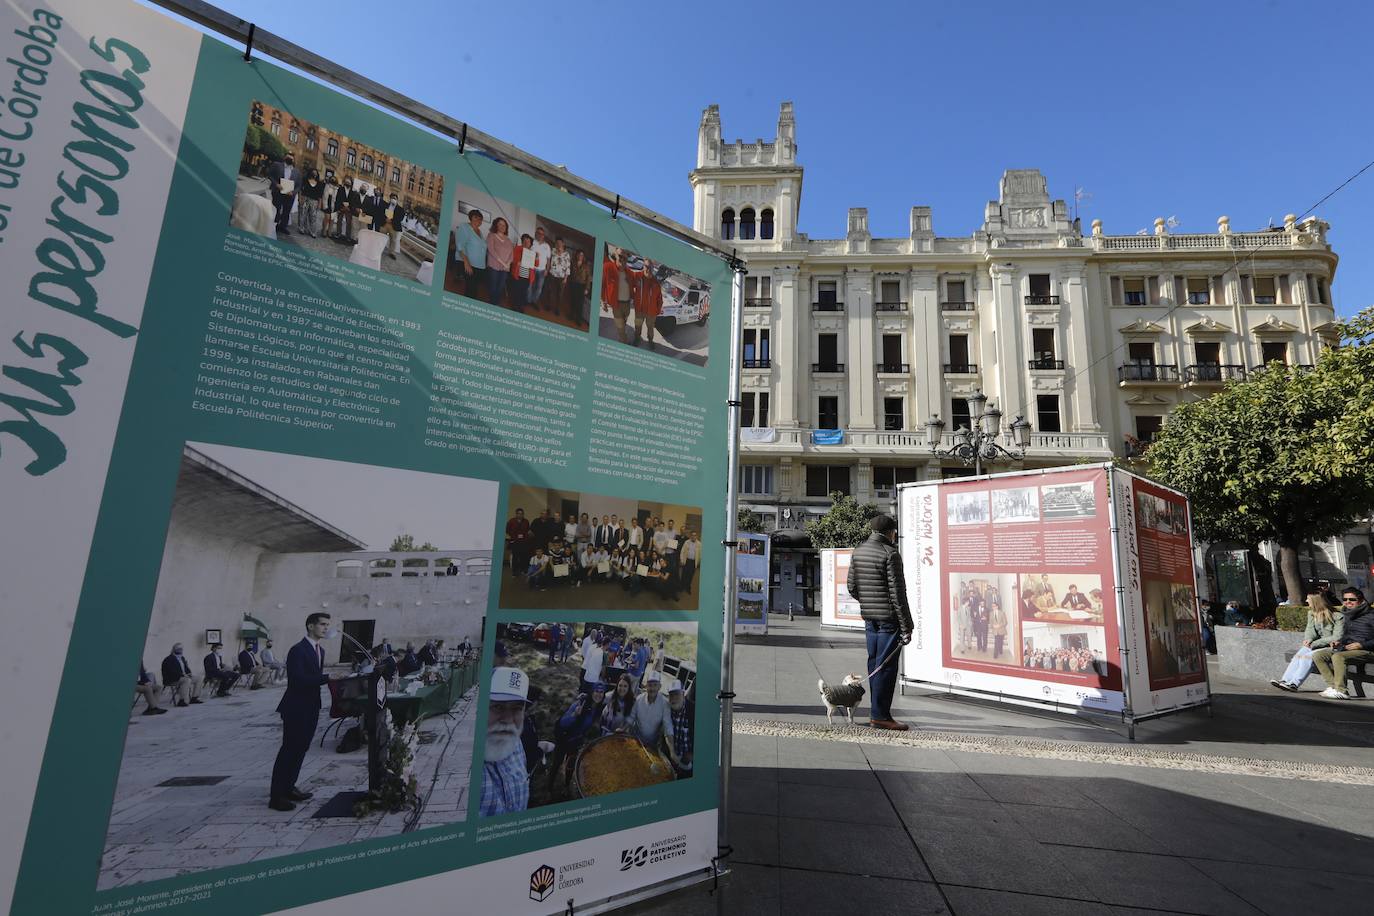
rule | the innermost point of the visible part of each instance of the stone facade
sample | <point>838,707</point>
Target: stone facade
<point>1092,338</point>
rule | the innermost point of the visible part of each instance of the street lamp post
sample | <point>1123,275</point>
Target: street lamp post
<point>979,444</point>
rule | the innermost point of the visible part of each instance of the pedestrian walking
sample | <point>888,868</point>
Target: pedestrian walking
<point>877,581</point>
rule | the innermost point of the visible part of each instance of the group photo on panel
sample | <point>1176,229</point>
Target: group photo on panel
<point>512,257</point>
<point>585,709</point>
<point>573,550</point>
<point>331,195</point>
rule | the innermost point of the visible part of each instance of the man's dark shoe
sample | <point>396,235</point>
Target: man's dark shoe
<point>297,795</point>
<point>181,702</point>
<point>195,701</point>
<point>889,725</point>
<point>281,804</point>
<point>256,687</point>
<point>154,711</point>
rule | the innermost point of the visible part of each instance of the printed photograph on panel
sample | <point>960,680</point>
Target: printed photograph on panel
<point>509,256</point>
<point>1172,630</point>
<point>1064,648</point>
<point>585,709</point>
<point>1061,597</point>
<point>1019,504</point>
<point>654,306</point>
<point>749,608</point>
<point>1160,514</point>
<point>293,593</point>
<point>1067,500</point>
<point>967,508</point>
<point>982,627</point>
<point>305,185</point>
<point>571,550</point>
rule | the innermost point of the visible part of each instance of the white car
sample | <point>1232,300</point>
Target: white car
<point>686,302</point>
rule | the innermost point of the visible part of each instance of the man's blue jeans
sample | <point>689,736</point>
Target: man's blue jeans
<point>883,640</point>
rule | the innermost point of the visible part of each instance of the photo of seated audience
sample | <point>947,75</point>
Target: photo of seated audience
<point>1061,597</point>
<point>982,624</point>
<point>278,606</point>
<point>305,185</point>
<point>654,306</point>
<point>509,256</point>
<point>584,709</point>
<point>1064,649</point>
<point>566,549</point>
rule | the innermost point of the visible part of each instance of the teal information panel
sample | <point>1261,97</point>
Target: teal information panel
<point>357,494</point>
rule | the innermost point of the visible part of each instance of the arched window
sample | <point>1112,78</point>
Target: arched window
<point>746,223</point>
<point>727,224</point>
<point>766,224</point>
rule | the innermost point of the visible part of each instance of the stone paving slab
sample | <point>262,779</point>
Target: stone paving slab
<point>160,831</point>
<point>981,830</point>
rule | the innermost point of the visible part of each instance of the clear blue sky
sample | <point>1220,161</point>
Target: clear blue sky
<point>1188,110</point>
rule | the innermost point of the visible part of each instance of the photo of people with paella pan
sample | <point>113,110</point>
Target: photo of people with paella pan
<point>579,710</point>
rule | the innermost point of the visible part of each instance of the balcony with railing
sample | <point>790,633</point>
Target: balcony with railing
<point>961,368</point>
<point>828,368</point>
<point>889,306</point>
<point>1213,373</point>
<point>827,306</point>
<point>1044,363</point>
<point>1147,374</point>
<point>759,302</point>
<point>957,306</point>
<point>1041,299</point>
<point>894,368</point>
<point>765,363</point>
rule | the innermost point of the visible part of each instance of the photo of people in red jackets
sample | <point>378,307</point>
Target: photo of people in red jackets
<point>651,305</point>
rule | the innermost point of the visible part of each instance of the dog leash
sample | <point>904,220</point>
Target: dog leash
<point>883,663</point>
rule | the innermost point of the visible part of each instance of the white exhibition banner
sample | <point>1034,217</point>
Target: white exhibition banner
<point>752,577</point>
<point>838,608</point>
<point>1028,586</point>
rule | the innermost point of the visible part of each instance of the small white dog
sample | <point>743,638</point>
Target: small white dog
<point>845,697</point>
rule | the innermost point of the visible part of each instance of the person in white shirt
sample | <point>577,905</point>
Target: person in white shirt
<point>660,536</point>
<point>651,720</point>
<point>690,553</point>
<point>543,252</point>
<point>592,660</point>
<point>570,529</point>
<point>586,566</point>
<point>636,534</point>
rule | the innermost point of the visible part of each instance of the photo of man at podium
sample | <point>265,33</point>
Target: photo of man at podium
<point>300,712</point>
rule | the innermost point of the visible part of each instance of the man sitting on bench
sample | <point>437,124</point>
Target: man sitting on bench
<point>1357,645</point>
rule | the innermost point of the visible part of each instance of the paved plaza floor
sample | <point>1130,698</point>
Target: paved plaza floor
<point>222,752</point>
<point>1264,807</point>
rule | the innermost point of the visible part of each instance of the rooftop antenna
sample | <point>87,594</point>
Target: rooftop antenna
<point>1080,195</point>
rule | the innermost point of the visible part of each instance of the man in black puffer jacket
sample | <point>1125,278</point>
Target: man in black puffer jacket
<point>877,582</point>
<point>1357,644</point>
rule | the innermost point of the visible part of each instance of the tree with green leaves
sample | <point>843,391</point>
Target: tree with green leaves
<point>1285,456</point>
<point>844,525</point>
<point>748,521</point>
<point>405,543</point>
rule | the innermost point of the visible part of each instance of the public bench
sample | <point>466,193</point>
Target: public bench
<point>1357,674</point>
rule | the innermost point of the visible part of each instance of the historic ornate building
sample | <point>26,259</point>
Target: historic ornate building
<point>851,344</point>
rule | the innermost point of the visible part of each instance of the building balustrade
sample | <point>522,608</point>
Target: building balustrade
<point>827,306</point>
<point>961,368</point>
<point>894,368</point>
<point>827,367</point>
<point>1147,372</point>
<point>759,302</point>
<point>889,306</point>
<point>1042,300</point>
<point>764,363</point>
<point>957,306</point>
<point>1047,363</point>
<point>1213,373</point>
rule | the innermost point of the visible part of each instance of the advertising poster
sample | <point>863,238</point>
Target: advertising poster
<point>1168,661</point>
<point>1012,586</point>
<point>751,583</point>
<point>838,609</point>
<point>355,516</point>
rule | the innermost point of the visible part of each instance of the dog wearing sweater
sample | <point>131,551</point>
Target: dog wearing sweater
<point>844,697</point>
